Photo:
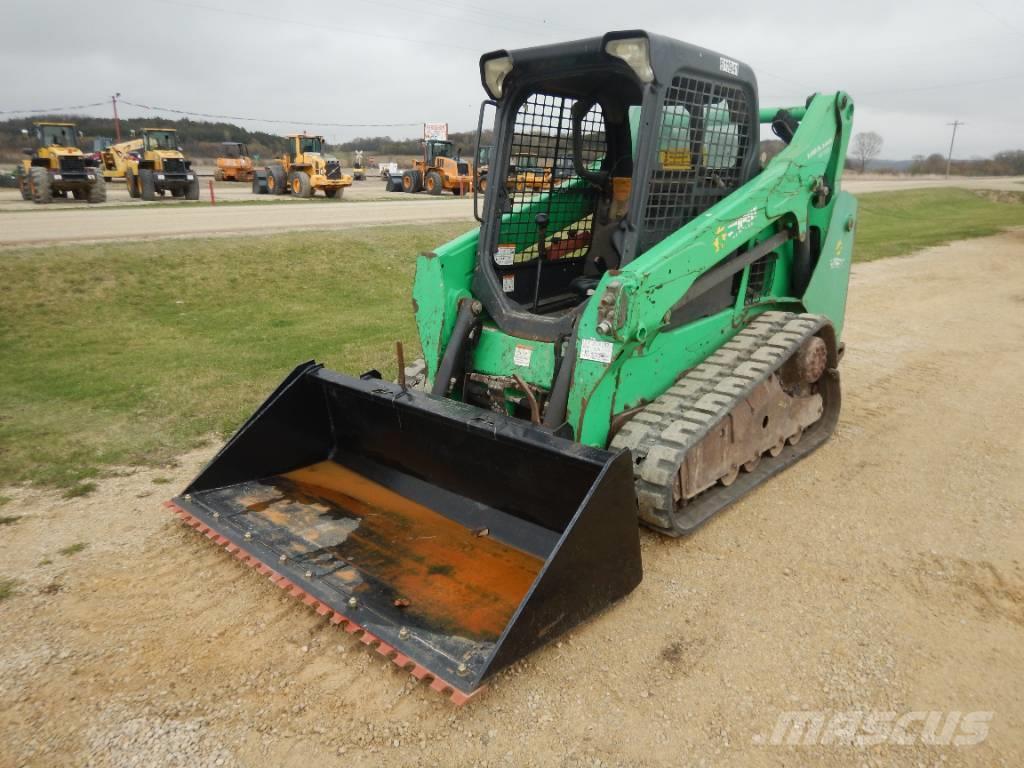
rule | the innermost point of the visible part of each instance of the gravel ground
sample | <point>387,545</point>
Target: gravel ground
<point>885,572</point>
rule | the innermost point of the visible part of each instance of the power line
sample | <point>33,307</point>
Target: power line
<point>997,17</point>
<point>51,110</point>
<point>190,113</point>
<point>943,85</point>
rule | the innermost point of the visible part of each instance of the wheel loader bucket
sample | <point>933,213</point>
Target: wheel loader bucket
<point>453,539</point>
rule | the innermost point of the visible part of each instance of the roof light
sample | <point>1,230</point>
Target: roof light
<point>495,72</point>
<point>636,52</point>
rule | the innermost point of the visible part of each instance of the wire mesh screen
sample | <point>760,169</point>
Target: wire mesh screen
<point>760,278</point>
<point>541,176</point>
<point>703,140</point>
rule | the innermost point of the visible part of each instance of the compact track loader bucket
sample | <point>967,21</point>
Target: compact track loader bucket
<point>456,540</point>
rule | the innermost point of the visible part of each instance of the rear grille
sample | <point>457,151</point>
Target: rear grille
<point>72,165</point>
<point>760,278</point>
<point>174,165</point>
<point>463,169</point>
<point>333,169</point>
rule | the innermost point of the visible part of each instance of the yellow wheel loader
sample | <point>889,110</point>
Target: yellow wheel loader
<point>440,170</point>
<point>648,339</point>
<point>303,171</point>
<point>56,167</point>
<point>161,168</point>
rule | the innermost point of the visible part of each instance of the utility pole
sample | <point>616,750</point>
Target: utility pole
<point>117,120</point>
<point>949,158</point>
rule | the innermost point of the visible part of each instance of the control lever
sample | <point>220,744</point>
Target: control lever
<point>542,229</point>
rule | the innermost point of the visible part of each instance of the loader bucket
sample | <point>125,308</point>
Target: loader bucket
<point>454,539</point>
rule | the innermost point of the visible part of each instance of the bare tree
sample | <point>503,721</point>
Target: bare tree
<point>866,146</point>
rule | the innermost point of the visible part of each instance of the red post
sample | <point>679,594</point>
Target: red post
<point>117,120</point>
<point>213,197</point>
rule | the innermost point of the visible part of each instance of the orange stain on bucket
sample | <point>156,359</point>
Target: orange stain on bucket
<point>457,580</point>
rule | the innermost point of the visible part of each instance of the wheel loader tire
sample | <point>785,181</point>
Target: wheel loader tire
<point>434,184</point>
<point>412,181</point>
<point>78,194</point>
<point>39,183</point>
<point>300,184</point>
<point>218,175</point>
<point>192,190</point>
<point>335,194</point>
<point>147,184</point>
<point>24,187</point>
<point>276,180</point>
<point>132,183</point>
<point>97,191</point>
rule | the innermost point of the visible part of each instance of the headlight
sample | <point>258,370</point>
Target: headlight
<point>160,177</point>
<point>494,73</point>
<point>57,177</point>
<point>635,51</point>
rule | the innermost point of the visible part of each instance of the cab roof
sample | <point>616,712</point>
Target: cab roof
<point>50,122</point>
<point>558,62</point>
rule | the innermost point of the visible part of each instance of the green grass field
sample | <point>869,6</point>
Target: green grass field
<point>132,353</point>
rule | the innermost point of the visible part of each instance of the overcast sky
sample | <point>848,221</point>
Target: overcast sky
<point>911,67</point>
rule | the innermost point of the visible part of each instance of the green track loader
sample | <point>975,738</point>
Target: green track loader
<point>650,334</point>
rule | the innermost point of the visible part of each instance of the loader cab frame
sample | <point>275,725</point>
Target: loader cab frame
<point>160,139</point>
<point>658,131</point>
<point>312,145</point>
<point>435,149</point>
<point>56,134</point>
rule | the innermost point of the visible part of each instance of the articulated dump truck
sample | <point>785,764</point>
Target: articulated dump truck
<point>650,336</point>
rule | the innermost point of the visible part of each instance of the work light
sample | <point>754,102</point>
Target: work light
<point>495,72</point>
<point>636,52</point>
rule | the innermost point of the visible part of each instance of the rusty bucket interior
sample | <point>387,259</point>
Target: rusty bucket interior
<point>461,538</point>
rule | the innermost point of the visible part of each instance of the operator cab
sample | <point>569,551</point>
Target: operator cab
<point>161,139</point>
<point>626,138</point>
<point>235,149</point>
<point>436,148</point>
<point>56,134</point>
<point>311,144</point>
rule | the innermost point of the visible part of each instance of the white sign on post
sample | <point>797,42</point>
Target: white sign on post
<point>437,131</point>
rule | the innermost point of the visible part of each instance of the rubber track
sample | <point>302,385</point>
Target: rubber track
<point>662,433</point>
<point>336,619</point>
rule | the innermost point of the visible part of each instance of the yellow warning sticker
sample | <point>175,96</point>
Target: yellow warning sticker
<point>675,160</point>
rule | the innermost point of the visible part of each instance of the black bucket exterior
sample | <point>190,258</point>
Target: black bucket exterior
<point>458,538</point>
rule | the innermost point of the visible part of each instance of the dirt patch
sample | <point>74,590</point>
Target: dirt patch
<point>1001,196</point>
<point>883,573</point>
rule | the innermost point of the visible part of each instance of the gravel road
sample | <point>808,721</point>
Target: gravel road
<point>884,573</point>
